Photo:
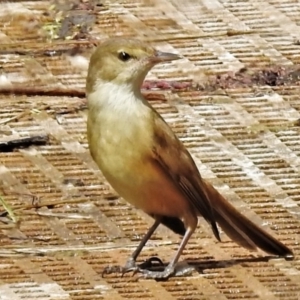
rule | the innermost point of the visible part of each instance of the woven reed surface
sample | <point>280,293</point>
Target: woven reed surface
<point>233,100</point>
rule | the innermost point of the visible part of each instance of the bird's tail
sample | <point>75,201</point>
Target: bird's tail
<point>240,229</point>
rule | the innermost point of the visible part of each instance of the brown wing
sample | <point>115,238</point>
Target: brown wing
<point>178,164</point>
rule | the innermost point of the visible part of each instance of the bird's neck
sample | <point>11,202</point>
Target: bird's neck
<point>118,109</point>
<point>116,97</point>
<point>118,104</point>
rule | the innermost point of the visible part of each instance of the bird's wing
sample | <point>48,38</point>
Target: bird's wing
<point>172,157</point>
<point>177,163</point>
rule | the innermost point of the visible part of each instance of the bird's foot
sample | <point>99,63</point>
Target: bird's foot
<point>159,275</point>
<point>131,266</point>
<point>181,269</point>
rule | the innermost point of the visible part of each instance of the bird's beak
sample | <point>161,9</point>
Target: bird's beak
<point>159,57</point>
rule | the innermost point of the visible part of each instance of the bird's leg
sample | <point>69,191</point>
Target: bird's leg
<point>171,267</point>
<point>131,262</point>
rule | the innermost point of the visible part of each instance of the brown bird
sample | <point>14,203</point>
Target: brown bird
<point>146,163</point>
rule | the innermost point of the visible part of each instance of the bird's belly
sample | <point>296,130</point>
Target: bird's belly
<point>149,189</point>
<point>127,162</point>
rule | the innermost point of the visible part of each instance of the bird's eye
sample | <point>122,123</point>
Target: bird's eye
<point>123,56</point>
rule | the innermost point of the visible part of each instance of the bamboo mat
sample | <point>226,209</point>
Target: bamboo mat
<point>233,100</point>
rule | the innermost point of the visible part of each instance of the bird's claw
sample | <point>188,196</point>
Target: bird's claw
<point>181,269</point>
<point>154,263</point>
<point>159,275</point>
<point>131,266</point>
<point>112,269</point>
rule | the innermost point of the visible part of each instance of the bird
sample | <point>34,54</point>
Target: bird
<point>146,163</point>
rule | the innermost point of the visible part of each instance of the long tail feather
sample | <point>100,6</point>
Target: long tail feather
<point>240,229</point>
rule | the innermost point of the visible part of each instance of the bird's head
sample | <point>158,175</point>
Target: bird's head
<point>123,61</point>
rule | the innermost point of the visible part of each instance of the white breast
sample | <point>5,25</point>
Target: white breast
<point>119,127</point>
